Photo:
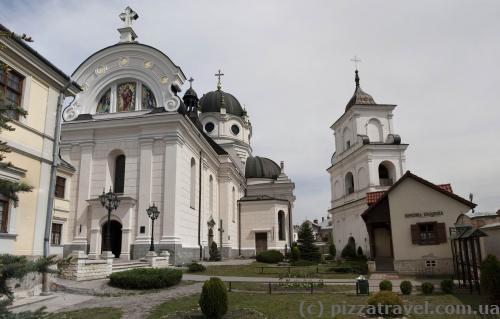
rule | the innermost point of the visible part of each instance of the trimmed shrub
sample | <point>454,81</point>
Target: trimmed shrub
<point>406,287</point>
<point>341,269</point>
<point>447,286</point>
<point>214,252</point>
<point>359,267</point>
<point>490,278</point>
<point>385,285</point>
<point>295,253</point>
<point>332,250</point>
<point>213,300</point>
<point>195,267</point>
<point>270,256</point>
<point>145,278</point>
<point>349,251</point>
<point>380,300</point>
<point>427,288</point>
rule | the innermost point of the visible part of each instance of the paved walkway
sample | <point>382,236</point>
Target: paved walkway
<point>133,306</point>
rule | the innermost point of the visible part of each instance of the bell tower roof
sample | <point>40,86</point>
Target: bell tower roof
<point>359,97</point>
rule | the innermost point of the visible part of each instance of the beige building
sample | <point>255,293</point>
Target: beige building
<point>34,84</point>
<point>489,224</point>
<point>408,226</point>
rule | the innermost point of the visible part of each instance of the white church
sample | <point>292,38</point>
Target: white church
<point>130,130</point>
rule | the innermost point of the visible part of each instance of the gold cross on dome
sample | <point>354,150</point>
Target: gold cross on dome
<point>355,60</point>
<point>219,75</point>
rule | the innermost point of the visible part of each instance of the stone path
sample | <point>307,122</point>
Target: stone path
<point>133,306</point>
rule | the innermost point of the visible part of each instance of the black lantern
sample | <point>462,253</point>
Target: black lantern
<point>153,213</point>
<point>109,201</point>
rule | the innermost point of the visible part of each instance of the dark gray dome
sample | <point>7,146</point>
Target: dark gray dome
<point>261,167</point>
<point>359,97</point>
<point>212,102</point>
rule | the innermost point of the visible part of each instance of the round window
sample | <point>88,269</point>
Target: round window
<point>235,129</point>
<point>209,127</point>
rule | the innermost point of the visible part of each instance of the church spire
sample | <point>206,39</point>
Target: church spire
<point>127,34</point>
<point>219,75</point>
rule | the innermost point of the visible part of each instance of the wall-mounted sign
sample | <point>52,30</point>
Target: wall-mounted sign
<point>424,214</point>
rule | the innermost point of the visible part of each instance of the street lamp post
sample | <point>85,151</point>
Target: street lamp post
<point>153,213</point>
<point>109,201</point>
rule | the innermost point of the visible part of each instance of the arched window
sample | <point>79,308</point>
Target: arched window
<point>192,192</point>
<point>374,130</point>
<point>349,183</point>
<point>386,173</point>
<point>281,225</point>
<point>233,205</point>
<point>119,180</point>
<point>211,193</point>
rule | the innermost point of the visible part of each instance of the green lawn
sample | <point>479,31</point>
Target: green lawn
<point>94,313</point>
<point>277,306</point>
<point>253,270</point>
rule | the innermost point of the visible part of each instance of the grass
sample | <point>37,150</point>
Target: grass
<point>94,313</point>
<point>253,270</point>
<point>264,287</point>
<point>281,306</point>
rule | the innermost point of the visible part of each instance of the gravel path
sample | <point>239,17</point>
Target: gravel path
<point>138,306</point>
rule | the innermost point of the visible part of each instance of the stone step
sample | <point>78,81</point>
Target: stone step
<point>129,265</point>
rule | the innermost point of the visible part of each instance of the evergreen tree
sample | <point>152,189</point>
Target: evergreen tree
<point>214,252</point>
<point>308,251</point>
<point>332,250</point>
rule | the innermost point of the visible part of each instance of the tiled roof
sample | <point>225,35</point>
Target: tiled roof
<point>372,197</point>
<point>446,187</point>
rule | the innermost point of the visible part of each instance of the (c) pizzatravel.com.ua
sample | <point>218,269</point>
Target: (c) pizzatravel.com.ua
<point>320,309</point>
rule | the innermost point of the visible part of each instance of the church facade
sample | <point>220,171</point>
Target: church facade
<point>130,130</point>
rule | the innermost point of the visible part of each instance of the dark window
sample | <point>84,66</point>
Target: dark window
<point>209,127</point>
<point>349,183</point>
<point>4,216</point>
<point>383,175</point>
<point>119,174</point>
<point>142,229</point>
<point>281,225</point>
<point>55,238</point>
<point>11,86</point>
<point>60,187</point>
<point>432,233</point>
<point>235,129</point>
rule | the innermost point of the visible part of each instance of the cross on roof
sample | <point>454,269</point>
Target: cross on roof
<point>219,75</point>
<point>190,82</point>
<point>355,60</point>
<point>127,16</point>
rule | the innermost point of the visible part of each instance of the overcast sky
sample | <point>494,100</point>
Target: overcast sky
<point>289,63</point>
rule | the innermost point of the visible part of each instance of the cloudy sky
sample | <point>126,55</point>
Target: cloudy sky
<point>289,63</point>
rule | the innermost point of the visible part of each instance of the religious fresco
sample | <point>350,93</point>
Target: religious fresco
<point>148,98</point>
<point>104,104</point>
<point>126,97</point>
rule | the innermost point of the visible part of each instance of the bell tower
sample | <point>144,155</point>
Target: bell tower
<point>369,157</point>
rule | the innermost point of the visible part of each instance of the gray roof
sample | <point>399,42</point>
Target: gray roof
<point>212,102</point>
<point>261,167</point>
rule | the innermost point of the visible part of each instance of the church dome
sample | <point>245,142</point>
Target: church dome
<point>191,93</point>
<point>360,97</point>
<point>261,167</point>
<point>212,102</point>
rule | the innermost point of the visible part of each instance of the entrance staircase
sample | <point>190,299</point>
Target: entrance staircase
<point>384,264</point>
<point>122,265</point>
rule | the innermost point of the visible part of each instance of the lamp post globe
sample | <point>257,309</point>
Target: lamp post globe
<point>110,202</point>
<point>153,214</point>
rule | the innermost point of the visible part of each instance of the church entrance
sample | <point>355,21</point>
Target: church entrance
<point>116,237</point>
<point>382,242</point>
<point>260,242</point>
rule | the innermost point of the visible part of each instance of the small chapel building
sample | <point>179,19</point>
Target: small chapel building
<point>129,130</point>
<point>399,220</point>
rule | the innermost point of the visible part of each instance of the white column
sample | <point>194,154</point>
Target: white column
<point>84,182</point>
<point>144,190</point>
<point>171,178</point>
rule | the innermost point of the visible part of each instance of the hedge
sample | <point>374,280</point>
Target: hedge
<point>406,287</point>
<point>381,299</point>
<point>145,278</point>
<point>270,256</point>
<point>385,285</point>
<point>195,267</point>
<point>213,299</point>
